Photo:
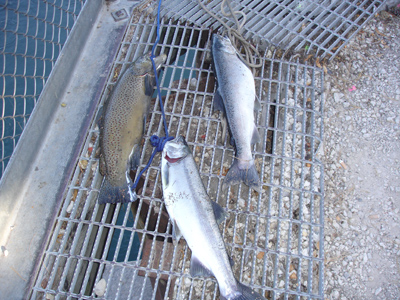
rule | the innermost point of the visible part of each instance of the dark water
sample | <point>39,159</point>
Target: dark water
<point>127,235</point>
<point>32,33</point>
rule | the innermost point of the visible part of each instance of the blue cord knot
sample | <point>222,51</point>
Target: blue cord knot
<point>159,142</point>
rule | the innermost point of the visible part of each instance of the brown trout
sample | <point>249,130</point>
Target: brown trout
<point>122,127</point>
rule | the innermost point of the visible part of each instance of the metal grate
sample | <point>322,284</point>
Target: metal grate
<point>32,34</point>
<point>275,238</point>
<point>322,27</point>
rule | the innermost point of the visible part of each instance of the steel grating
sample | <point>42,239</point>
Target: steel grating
<point>32,34</point>
<point>275,238</point>
<point>320,27</point>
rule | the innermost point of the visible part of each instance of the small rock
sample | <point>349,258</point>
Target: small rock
<point>70,207</point>
<point>193,83</point>
<point>335,294</point>
<point>4,250</point>
<point>338,97</point>
<point>377,291</point>
<point>100,288</point>
<point>50,296</point>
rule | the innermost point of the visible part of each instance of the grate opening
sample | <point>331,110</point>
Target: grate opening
<point>275,238</point>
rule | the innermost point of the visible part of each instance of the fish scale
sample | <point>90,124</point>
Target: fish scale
<point>196,217</point>
<point>235,97</point>
<point>122,129</point>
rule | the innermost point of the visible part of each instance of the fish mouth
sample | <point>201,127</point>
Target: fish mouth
<point>176,150</point>
<point>159,60</point>
<point>222,43</point>
<point>173,160</point>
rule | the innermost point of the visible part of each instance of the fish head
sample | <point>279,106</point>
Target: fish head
<point>143,64</point>
<point>175,150</point>
<point>222,43</point>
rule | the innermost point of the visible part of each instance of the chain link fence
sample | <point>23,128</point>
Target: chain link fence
<point>32,34</point>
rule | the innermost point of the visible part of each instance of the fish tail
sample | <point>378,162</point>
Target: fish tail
<point>244,293</point>
<point>243,171</point>
<point>115,194</point>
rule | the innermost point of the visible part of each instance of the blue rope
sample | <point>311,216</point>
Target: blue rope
<point>157,142</point>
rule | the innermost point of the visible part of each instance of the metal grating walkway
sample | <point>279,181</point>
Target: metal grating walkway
<point>320,27</point>
<point>275,238</point>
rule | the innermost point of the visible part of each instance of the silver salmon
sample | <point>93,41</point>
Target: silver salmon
<point>121,129</point>
<point>235,97</point>
<point>195,217</point>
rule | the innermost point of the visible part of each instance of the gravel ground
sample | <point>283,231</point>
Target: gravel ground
<point>362,165</point>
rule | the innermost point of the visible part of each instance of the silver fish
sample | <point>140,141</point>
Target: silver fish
<point>235,97</point>
<point>122,126</point>
<point>196,217</point>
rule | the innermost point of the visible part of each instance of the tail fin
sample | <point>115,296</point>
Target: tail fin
<point>245,172</point>
<point>115,194</point>
<point>244,293</point>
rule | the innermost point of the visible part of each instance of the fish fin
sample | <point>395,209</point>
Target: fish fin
<point>100,118</point>
<point>219,212</point>
<point>149,82</point>
<point>176,232</point>
<point>115,194</point>
<point>102,163</point>
<point>256,136</point>
<point>232,141</point>
<point>224,124</point>
<point>232,263</point>
<point>144,122</point>
<point>198,269</point>
<point>218,103</point>
<point>257,105</point>
<point>134,158</point>
<point>165,174</point>
<point>246,173</point>
<point>243,292</point>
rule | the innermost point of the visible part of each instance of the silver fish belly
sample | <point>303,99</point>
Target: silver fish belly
<point>122,127</point>
<point>196,218</point>
<point>235,97</point>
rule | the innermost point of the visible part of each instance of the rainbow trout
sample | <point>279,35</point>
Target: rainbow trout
<point>235,97</point>
<point>195,217</point>
<point>122,127</point>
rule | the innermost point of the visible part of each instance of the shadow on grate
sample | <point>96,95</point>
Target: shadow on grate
<point>275,238</point>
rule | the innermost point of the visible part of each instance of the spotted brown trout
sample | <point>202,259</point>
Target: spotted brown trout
<point>195,217</point>
<point>121,129</point>
<point>236,98</point>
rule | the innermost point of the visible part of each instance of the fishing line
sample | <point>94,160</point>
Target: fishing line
<point>157,142</point>
<point>235,35</point>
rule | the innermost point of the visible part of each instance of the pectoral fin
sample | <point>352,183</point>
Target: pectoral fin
<point>176,233</point>
<point>149,83</point>
<point>255,137</point>
<point>218,102</point>
<point>198,269</point>
<point>219,212</point>
<point>134,158</point>
<point>257,105</point>
<point>100,118</point>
